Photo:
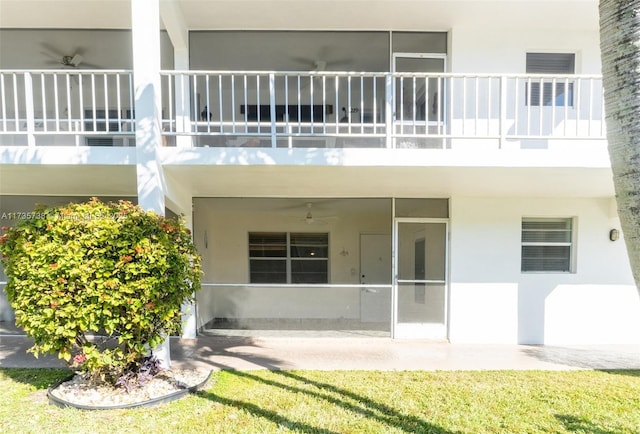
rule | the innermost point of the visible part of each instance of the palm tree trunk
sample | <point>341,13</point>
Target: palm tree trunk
<point>620,50</point>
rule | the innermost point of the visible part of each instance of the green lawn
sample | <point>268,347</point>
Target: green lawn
<point>350,402</point>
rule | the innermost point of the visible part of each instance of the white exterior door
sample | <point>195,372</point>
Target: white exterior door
<point>375,269</point>
<point>420,284</point>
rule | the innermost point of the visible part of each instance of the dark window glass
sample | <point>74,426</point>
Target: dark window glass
<point>278,257</point>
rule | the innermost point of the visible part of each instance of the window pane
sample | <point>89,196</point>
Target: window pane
<point>309,271</point>
<point>310,239</point>
<point>546,258</point>
<point>268,271</point>
<point>546,224</point>
<point>547,245</point>
<point>551,63</point>
<point>309,251</point>
<point>267,238</point>
<point>434,208</point>
<point>309,245</point>
<point>558,93</point>
<point>546,231</point>
<point>419,42</point>
<point>267,245</point>
<point>270,253</point>
<point>546,236</point>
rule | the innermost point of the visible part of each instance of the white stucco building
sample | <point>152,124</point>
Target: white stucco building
<point>424,169</point>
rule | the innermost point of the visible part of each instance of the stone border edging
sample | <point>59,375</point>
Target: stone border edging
<point>62,403</point>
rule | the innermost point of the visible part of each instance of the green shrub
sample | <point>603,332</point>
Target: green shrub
<point>106,269</point>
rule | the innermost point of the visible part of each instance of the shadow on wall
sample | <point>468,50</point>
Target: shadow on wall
<point>578,314</point>
<point>531,314</point>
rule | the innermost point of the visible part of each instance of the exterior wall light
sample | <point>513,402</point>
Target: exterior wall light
<point>614,234</point>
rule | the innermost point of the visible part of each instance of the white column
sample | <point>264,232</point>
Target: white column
<point>145,27</point>
<point>189,326</point>
<point>179,200</point>
<point>28,100</point>
<point>176,27</point>
<point>182,96</point>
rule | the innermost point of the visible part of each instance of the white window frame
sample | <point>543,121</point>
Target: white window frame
<point>289,259</point>
<point>571,260</point>
<point>541,84</point>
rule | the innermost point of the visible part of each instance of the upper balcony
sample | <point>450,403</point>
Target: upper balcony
<point>314,109</point>
<point>305,83</point>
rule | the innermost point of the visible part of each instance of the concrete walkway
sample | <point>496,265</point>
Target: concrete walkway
<point>248,353</point>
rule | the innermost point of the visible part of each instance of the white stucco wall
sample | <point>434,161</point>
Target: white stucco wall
<point>491,301</point>
<point>502,48</point>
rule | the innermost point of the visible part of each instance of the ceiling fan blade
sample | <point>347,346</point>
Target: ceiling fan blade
<point>316,222</point>
<point>91,66</point>
<point>341,64</point>
<point>52,51</point>
<point>51,56</point>
<point>302,60</point>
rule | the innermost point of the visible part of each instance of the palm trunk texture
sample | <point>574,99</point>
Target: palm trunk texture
<point>620,50</point>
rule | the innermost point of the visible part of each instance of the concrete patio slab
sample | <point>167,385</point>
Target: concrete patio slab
<point>322,353</point>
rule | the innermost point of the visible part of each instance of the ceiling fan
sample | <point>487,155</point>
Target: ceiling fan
<point>71,59</point>
<point>310,219</point>
<point>325,58</point>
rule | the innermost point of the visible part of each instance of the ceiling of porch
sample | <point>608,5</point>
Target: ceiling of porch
<point>376,182</point>
<point>307,14</point>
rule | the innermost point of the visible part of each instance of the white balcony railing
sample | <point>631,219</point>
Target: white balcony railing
<point>302,109</point>
<point>62,107</point>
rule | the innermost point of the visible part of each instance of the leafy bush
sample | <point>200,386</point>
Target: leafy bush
<point>99,283</point>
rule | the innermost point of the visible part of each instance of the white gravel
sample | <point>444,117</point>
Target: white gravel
<point>81,391</point>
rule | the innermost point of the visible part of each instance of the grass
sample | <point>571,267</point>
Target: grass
<point>595,402</point>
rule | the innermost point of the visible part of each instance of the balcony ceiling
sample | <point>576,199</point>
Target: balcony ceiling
<point>384,173</point>
<point>309,14</point>
<point>435,182</point>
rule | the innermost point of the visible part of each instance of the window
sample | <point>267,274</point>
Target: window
<point>281,257</point>
<point>547,244</point>
<point>555,91</point>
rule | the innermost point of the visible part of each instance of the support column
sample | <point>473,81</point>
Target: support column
<point>180,200</point>
<point>174,23</point>
<point>182,96</point>
<point>145,27</point>
<point>176,27</point>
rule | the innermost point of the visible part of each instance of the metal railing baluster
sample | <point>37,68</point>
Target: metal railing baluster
<point>29,109</point>
<point>16,109</point>
<point>272,108</point>
<point>44,102</point>
<point>233,106</point>
<point>3,98</point>
<point>220,103</point>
